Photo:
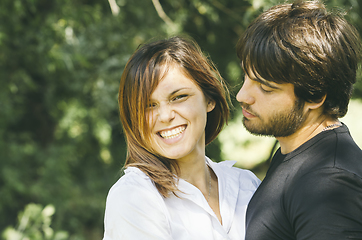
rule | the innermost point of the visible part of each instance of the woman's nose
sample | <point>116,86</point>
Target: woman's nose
<point>165,112</point>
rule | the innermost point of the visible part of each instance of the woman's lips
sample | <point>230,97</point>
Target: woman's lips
<point>172,133</point>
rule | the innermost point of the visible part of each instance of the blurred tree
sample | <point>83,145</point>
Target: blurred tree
<point>34,223</point>
<point>60,63</point>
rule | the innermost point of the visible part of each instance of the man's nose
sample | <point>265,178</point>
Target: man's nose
<point>245,93</point>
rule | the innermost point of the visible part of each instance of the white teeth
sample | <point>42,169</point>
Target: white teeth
<point>172,133</point>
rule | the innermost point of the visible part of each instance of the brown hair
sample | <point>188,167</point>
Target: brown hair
<point>146,67</point>
<point>304,44</point>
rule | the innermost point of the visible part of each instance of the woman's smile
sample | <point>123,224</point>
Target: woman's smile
<point>172,133</point>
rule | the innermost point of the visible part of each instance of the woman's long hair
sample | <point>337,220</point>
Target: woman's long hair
<point>146,67</point>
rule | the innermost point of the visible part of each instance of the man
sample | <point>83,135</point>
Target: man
<point>300,63</point>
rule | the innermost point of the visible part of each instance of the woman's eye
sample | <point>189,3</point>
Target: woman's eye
<point>179,97</point>
<point>151,105</point>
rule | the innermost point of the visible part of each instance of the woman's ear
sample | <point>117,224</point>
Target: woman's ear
<point>210,105</point>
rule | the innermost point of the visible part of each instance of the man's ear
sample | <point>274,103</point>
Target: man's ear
<point>316,104</point>
<point>210,105</point>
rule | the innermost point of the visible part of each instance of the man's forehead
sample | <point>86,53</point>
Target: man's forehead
<point>253,75</point>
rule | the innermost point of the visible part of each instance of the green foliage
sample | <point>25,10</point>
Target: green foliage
<point>61,142</point>
<point>34,224</point>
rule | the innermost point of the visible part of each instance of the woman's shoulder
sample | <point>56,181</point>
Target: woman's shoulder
<point>133,175</point>
<point>245,177</point>
<point>132,200</point>
<point>133,184</point>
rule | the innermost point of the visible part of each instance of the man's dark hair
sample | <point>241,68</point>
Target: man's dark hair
<point>304,44</point>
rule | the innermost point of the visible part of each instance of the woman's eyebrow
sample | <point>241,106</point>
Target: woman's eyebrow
<point>177,90</point>
<point>173,92</point>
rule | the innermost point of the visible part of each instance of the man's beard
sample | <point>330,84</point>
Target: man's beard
<point>280,124</point>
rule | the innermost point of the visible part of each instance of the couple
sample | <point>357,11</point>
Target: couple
<point>300,65</point>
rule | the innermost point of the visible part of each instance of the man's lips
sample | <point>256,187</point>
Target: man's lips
<point>246,110</point>
<point>247,114</point>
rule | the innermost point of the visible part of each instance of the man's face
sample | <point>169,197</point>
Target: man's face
<point>269,108</point>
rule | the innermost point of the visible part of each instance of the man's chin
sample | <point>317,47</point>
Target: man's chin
<point>259,133</point>
<point>254,130</point>
<point>271,130</point>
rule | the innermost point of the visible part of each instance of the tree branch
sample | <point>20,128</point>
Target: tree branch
<point>114,7</point>
<point>162,14</point>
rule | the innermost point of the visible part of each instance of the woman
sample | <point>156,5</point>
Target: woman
<point>172,103</point>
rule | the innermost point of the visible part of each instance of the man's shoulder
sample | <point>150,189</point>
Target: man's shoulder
<point>334,149</point>
<point>348,155</point>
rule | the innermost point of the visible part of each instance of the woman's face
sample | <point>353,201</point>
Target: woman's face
<point>177,113</point>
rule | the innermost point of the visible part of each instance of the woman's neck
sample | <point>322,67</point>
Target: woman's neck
<point>194,170</point>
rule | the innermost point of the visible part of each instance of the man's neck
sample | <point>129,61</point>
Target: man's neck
<point>307,131</point>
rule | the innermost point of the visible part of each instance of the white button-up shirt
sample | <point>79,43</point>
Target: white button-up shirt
<point>136,210</point>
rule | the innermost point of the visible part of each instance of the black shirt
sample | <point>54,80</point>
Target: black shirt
<point>314,192</point>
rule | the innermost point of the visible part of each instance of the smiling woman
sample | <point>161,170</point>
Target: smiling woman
<point>173,102</point>
<point>178,117</point>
